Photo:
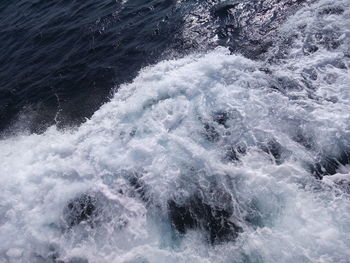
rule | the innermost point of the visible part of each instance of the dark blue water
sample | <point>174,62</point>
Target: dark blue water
<point>65,56</point>
<point>60,60</point>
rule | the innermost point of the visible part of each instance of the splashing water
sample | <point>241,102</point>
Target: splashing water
<point>210,158</point>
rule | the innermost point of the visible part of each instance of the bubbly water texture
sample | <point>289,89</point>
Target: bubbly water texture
<point>250,137</point>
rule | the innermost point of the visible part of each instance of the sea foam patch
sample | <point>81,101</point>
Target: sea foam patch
<point>190,145</point>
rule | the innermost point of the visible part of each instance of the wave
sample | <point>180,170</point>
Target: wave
<point>213,157</point>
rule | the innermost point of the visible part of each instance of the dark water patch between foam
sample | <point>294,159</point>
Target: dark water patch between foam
<point>197,212</point>
<point>330,165</point>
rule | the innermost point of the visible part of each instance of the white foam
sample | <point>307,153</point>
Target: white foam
<point>155,128</point>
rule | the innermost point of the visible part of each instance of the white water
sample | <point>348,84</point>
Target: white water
<point>154,128</point>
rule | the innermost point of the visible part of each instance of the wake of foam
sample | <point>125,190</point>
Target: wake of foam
<point>208,140</point>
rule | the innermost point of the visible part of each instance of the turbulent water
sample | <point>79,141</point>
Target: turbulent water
<point>238,153</point>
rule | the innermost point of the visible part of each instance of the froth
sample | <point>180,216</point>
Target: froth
<point>240,136</point>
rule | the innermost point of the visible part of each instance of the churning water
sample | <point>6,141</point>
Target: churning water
<point>212,157</point>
